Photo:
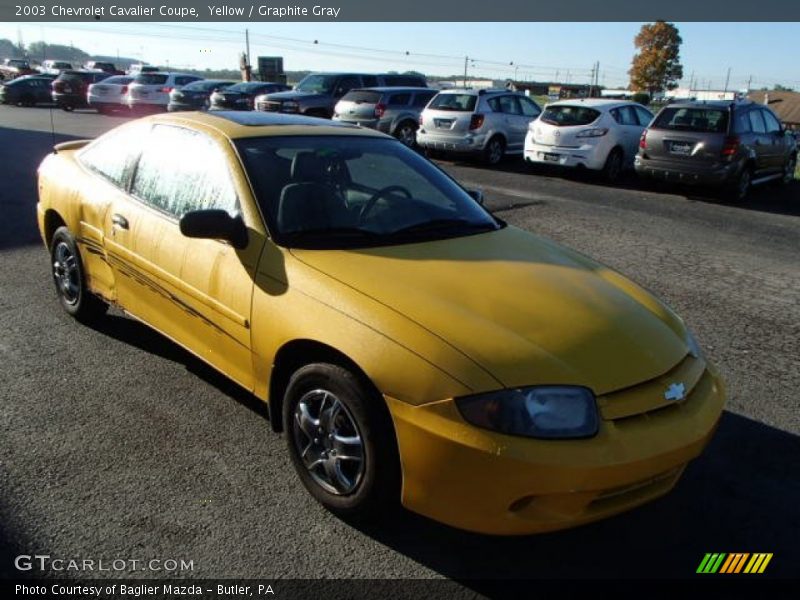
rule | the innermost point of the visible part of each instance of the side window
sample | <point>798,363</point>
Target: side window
<point>509,105</point>
<point>529,108</point>
<point>757,122</point>
<point>773,125</point>
<point>182,170</point>
<point>369,80</point>
<point>644,115</point>
<point>741,122</point>
<point>422,99</point>
<point>114,155</point>
<point>625,116</point>
<point>347,83</point>
<point>399,99</point>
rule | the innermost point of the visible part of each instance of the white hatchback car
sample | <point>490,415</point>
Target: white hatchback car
<point>152,89</point>
<point>601,135</point>
<point>109,95</point>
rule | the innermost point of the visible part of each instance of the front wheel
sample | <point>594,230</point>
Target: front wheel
<point>70,279</point>
<point>341,441</point>
<point>788,170</point>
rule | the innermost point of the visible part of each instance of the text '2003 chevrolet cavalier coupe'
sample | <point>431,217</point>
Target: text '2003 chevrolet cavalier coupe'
<point>409,344</point>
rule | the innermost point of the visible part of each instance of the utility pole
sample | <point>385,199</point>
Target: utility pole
<point>247,43</point>
<point>749,82</point>
<point>727,79</point>
<point>466,62</point>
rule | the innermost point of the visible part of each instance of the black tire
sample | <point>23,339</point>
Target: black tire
<point>740,188</point>
<point>406,132</point>
<point>494,151</point>
<point>789,169</point>
<point>70,280</point>
<point>360,414</point>
<point>27,100</point>
<point>67,107</point>
<point>613,166</point>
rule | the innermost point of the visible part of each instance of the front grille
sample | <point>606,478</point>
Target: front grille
<point>649,397</point>
<point>269,106</point>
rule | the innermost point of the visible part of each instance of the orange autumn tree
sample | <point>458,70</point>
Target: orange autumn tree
<point>656,65</point>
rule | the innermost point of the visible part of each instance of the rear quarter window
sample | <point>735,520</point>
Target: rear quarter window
<point>399,99</point>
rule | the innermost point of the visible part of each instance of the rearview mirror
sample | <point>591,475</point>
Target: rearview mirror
<point>214,224</point>
<point>477,195</point>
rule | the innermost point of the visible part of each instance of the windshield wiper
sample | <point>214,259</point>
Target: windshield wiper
<point>443,225</point>
<point>333,231</point>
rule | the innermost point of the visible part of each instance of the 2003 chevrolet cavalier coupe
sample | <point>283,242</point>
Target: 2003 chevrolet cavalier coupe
<point>410,345</point>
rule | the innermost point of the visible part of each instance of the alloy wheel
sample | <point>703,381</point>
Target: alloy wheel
<point>328,442</point>
<point>66,273</point>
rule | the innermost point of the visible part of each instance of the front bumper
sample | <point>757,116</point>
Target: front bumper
<point>497,484</point>
<point>666,170</point>
<point>451,143</point>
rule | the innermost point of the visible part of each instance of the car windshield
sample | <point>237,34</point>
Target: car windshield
<point>348,192</point>
<point>455,102</point>
<point>18,63</point>
<point>119,80</point>
<point>319,84</point>
<point>703,120</point>
<point>563,115</point>
<point>151,79</point>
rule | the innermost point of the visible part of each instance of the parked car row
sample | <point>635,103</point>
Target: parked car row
<point>731,145</point>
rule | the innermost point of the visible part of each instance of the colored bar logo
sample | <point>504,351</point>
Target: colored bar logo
<point>737,562</point>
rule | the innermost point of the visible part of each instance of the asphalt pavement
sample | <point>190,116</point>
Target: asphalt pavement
<point>115,443</point>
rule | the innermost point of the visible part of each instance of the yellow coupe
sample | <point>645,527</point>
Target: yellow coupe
<point>411,345</point>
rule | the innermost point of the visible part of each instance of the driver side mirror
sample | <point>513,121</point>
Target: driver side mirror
<point>477,195</point>
<point>214,224</point>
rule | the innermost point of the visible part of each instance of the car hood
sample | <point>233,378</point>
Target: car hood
<point>525,309</point>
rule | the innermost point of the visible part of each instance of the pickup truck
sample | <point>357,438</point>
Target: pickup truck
<point>11,68</point>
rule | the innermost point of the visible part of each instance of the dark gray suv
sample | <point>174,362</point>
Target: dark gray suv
<point>731,145</point>
<point>317,94</point>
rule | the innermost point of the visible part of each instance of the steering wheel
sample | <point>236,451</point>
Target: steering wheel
<point>370,204</point>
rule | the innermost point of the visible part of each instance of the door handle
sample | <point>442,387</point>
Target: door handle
<point>118,220</point>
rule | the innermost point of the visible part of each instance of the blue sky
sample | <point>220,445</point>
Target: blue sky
<point>766,51</point>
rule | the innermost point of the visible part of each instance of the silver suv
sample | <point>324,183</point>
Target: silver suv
<point>490,123</point>
<point>392,110</point>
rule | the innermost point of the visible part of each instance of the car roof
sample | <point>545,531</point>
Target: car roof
<point>709,104</point>
<point>393,89</point>
<point>592,102</point>
<point>245,124</point>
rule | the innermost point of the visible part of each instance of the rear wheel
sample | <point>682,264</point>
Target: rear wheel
<point>27,100</point>
<point>68,107</point>
<point>740,187</point>
<point>494,151</point>
<point>341,441</point>
<point>613,166</point>
<point>70,279</point>
<point>406,132</point>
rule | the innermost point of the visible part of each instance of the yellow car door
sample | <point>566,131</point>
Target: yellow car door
<point>196,291</point>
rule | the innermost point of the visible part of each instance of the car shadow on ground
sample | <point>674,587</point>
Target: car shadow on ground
<point>739,496</point>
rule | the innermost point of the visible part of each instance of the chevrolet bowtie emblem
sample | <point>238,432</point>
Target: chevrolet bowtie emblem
<point>675,391</point>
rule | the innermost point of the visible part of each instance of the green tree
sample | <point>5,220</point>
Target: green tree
<point>782,88</point>
<point>656,65</point>
<point>42,50</point>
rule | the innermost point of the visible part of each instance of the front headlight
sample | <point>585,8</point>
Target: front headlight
<point>547,412</point>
